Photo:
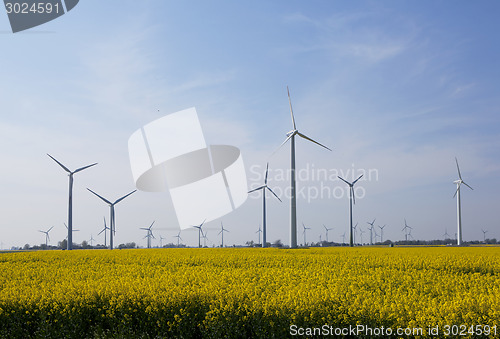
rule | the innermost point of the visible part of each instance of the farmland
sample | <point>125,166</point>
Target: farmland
<point>214,293</point>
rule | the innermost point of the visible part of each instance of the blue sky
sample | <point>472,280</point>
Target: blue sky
<point>396,87</point>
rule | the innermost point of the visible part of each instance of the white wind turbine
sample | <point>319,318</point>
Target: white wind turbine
<point>382,232</point>
<point>405,230</point>
<point>459,182</point>
<point>371,230</point>
<point>446,235</point>
<point>112,226</point>
<point>200,232</point>
<point>67,229</point>
<point>259,231</point>
<point>222,230</point>
<point>327,229</point>
<point>305,229</point>
<point>354,232</point>
<point>149,234</point>
<point>361,234</point>
<point>161,241</point>
<point>263,188</point>
<point>293,199</point>
<point>91,240</point>
<point>70,200</point>
<point>47,237</point>
<point>104,230</point>
<point>343,238</point>
<point>205,238</point>
<point>352,199</point>
<point>484,235</point>
<point>178,236</point>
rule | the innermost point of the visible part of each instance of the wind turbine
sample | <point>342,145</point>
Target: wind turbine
<point>446,235</point>
<point>68,228</point>
<point>459,182</point>
<point>104,230</point>
<point>259,231</point>
<point>343,238</point>
<point>381,232</point>
<point>91,240</point>
<point>305,229</point>
<point>354,232</point>
<point>112,228</point>
<point>484,234</point>
<point>222,230</point>
<point>406,232</point>
<point>204,236</point>
<point>149,234</point>
<point>47,238</point>
<point>70,200</point>
<point>371,230</point>
<point>200,232</point>
<point>293,201</point>
<point>263,188</point>
<point>327,229</point>
<point>361,234</point>
<point>178,236</point>
<point>352,199</point>
<point>161,241</point>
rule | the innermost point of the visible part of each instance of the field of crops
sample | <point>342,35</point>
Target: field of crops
<point>244,293</point>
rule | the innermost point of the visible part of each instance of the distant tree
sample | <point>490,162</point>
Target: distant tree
<point>26,247</point>
<point>127,245</point>
<point>277,243</point>
<point>63,244</point>
<point>85,245</point>
<point>250,243</point>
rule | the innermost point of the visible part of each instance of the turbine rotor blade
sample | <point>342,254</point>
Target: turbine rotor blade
<point>274,193</point>
<point>458,168</point>
<point>463,182</point>
<point>64,167</point>
<point>347,182</point>
<point>284,142</point>
<point>85,167</point>
<point>355,181</point>
<point>307,138</point>
<point>256,189</point>
<point>267,168</point>
<point>291,110</point>
<point>117,201</point>
<point>103,199</point>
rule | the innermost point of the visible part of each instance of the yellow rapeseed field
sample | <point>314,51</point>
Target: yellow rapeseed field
<point>244,293</point>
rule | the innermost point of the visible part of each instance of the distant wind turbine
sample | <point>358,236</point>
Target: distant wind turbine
<point>222,230</point>
<point>327,229</point>
<point>446,235</point>
<point>259,231</point>
<point>352,199</point>
<point>70,200</point>
<point>343,238</point>
<point>293,201</point>
<point>91,240</point>
<point>361,234</point>
<point>381,232</point>
<point>47,238</point>
<point>263,188</point>
<point>405,230</point>
<point>112,226</point>
<point>371,230</point>
<point>149,234</point>
<point>104,230</point>
<point>200,232</point>
<point>178,236</point>
<point>305,229</point>
<point>205,238</point>
<point>459,182</point>
<point>484,235</point>
<point>67,229</point>
<point>354,232</point>
<point>161,241</point>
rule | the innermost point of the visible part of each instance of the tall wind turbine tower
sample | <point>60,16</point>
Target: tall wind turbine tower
<point>405,230</point>
<point>149,234</point>
<point>459,182</point>
<point>47,238</point>
<point>382,232</point>
<point>70,200</point>
<point>178,236</point>
<point>305,229</point>
<point>293,199</point>
<point>352,199</point>
<point>104,230</point>
<point>484,235</point>
<point>222,230</point>
<point>371,230</point>
<point>200,232</point>
<point>259,231</point>
<point>263,188</point>
<point>112,226</point>
<point>327,229</point>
